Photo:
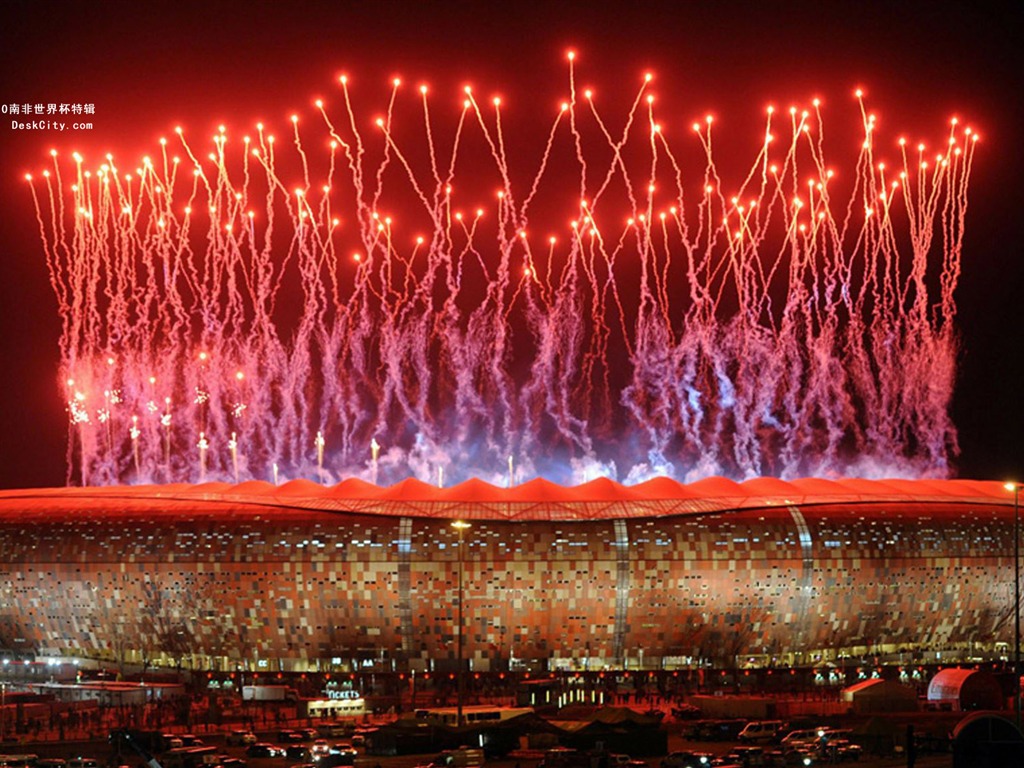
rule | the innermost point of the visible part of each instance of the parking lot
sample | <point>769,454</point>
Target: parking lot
<point>302,752</point>
<point>101,755</point>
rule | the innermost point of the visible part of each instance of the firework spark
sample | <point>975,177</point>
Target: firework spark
<point>367,319</point>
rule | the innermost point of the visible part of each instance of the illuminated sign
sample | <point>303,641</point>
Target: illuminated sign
<point>347,695</point>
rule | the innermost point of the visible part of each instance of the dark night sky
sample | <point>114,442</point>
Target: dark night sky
<point>201,64</point>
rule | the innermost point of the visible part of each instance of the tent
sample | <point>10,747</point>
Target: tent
<point>877,695</point>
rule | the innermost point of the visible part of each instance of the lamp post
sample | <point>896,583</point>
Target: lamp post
<point>460,526</point>
<point>1015,487</point>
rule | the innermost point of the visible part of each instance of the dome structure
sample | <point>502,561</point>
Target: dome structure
<point>598,575</point>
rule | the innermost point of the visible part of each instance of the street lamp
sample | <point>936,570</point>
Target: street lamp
<point>1015,487</point>
<point>460,526</point>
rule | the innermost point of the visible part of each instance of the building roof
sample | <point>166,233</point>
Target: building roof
<point>534,500</point>
<point>972,688</point>
<point>877,687</point>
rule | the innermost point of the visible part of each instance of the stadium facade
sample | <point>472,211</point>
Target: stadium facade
<point>304,577</point>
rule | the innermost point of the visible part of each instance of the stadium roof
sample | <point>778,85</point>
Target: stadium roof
<point>534,500</point>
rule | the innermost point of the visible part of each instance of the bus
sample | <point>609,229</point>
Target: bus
<point>477,714</point>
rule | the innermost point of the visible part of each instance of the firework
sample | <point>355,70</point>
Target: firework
<point>332,302</point>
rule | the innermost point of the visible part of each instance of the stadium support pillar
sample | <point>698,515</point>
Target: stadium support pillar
<point>460,526</point>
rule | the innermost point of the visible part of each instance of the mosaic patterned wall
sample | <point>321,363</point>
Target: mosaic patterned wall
<point>263,583</point>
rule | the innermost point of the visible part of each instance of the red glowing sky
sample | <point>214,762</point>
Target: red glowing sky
<point>201,65</point>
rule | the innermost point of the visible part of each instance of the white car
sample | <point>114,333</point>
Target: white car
<point>763,731</point>
<point>805,738</point>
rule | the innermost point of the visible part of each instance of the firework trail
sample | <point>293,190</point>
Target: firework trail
<point>332,304</point>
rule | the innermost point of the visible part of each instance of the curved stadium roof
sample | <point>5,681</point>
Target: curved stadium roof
<point>534,500</point>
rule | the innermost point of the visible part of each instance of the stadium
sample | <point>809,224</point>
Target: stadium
<point>302,577</point>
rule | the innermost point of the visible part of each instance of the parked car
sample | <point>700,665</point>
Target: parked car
<point>827,735</point>
<point>806,737</point>
<point>840,750</point>
<point>170,741</point>
<point>686,712</point>
<point>263,749</point>
<point>792,758</point>
<point>336,729</point>
<point>716,730</point>
<point>761,732</point>
<point>320,748</point>
<point>748,757</point>
<point>342,753</point>
<point>686,760</point>
<point>241,738</point>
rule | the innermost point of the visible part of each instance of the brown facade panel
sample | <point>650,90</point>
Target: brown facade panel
<point>242,582</point>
